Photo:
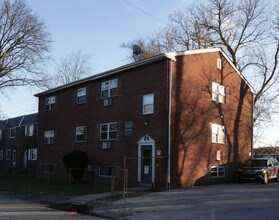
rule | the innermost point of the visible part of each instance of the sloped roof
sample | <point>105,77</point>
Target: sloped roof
<point>30,119</point>
<point>107,73</point>
<point>3,124</point>
<point>14,122</point>
<point>19,121</point>
<point>171,56</point>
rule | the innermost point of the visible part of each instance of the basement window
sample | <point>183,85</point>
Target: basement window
<point>106,171</point>
<point>48,168</point>
<point>217,172</point>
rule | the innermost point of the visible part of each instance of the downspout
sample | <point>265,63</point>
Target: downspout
<point>169,125</point>
<point>252,132</point>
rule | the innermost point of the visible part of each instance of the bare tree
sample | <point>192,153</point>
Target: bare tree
<point>24,45</point>
<point>72,67</point>
<point>248,32</point>
<point>148,46</point>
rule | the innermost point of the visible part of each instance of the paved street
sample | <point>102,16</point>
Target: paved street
<point>249,201</point>
<point>12,208</point>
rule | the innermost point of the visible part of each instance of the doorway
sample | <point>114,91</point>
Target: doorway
<point>146,164</point>
<point>146,160</point>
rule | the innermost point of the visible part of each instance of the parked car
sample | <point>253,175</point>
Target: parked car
<point>263,169</point>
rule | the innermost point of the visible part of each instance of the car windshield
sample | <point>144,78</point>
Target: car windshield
<point>256,163</point>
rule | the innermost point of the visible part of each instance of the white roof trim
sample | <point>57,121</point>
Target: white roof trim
<point>171,56</point>
<point>210,50</point>
<point>108,73</point>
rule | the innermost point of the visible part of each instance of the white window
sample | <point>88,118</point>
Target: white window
<point>50,103</point>
<point>48,168</point>
<point>218,134</point>
<point>218,93</point>
<point>32,154</point>
<point>12,132</point>
<point>8,154</point>
<point>49,137</point>
<point>217,172</point>
<point>109,88</point>
<point>29,130</point>
<point>1,135</point>
<point>81,96</point>
<point>219,63</point>
<point>80,134</point>
<point>106,171</point>
<point>2,154</point>
<point>108,131</point>
<point>148,104</point>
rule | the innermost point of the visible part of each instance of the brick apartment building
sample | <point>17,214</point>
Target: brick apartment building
<point>18,145</point>
<point>179,119</point>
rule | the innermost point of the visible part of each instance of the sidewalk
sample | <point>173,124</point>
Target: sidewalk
<point>108,205</point>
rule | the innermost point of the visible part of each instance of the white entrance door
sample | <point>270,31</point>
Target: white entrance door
<point>146,160</point>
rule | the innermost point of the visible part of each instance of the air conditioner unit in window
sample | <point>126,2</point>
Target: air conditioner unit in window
<point>105,145</point>
<point>107,102</point>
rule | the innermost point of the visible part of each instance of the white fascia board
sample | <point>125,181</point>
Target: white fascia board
<point>210,50</point>
<point>237,70</point>
<point>108,73</point>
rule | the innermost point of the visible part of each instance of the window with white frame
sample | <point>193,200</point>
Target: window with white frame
<point>109,88</point>
<point>2,154</point>
<point>218,134</point>
<point>8,154</point>
<point>49,137</point>
<point>80,134</point>
<point>148,104</point>
<point>219,63</point>
<point>32,154</point>
<point>29,130</point>
<point>1,137</point>
<point>48,168</point>
<point>12,132</point>
<point>106,171</point>
<point>108,131</point>
<point>217,171</point>
<point>81,95</point>
<point>218,93</point>
<point>50,103</point>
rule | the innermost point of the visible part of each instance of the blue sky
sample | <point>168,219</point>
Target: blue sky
<point>96,27</point>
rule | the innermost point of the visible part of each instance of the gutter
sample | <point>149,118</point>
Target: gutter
<point>109,73</point>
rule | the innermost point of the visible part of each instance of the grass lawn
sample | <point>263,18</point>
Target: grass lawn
<point>35,186</point>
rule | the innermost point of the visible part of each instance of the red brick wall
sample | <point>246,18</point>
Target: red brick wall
<point>193,111</point>
<point>127,106</point>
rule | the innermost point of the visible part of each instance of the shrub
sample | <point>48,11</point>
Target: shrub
<point>76,162</point>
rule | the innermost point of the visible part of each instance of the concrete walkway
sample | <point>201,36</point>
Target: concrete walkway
<point>216,202</point>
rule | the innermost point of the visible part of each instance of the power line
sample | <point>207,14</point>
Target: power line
<point>145,12</point>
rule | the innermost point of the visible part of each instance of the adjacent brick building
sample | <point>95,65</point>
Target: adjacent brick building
<point>177,119</point>
<point>18,145</point>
